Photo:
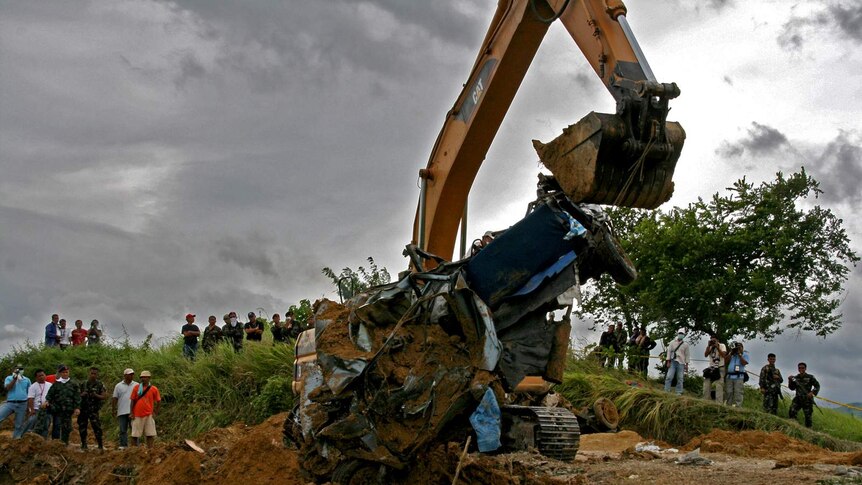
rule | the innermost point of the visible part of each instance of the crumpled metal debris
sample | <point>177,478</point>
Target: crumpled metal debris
<point>693,458</point>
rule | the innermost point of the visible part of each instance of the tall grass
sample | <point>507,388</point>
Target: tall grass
<point>215,390</point>
<point>644,407</point>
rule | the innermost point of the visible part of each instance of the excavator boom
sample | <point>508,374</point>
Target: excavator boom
<point>623,159</point>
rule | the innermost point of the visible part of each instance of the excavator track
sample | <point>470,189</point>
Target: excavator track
<point>553,431</point>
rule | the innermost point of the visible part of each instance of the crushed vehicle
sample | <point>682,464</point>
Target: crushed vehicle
<point>465,349</point>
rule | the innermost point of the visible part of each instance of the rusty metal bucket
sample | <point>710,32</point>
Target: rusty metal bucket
<point>598,161</point>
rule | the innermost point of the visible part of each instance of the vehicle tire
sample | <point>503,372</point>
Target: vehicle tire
<point>619,266</point>
<point>357,472</point>
<point>606,414</point>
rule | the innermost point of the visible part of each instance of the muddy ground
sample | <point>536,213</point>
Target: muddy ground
<point>254,454</point>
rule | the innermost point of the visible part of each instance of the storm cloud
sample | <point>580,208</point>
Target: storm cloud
<point>760,140</point>
<point>836,17</point>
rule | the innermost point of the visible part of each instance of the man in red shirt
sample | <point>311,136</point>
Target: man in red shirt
<point>146,401</point>
<point>79,335</point>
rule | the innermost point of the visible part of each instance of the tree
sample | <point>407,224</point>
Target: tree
<point>351,282</point>
<point>750,263</point>
<point>301,312</point>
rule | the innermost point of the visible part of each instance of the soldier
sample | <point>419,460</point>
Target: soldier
<point>606,345</point>
<point>292,325</point>
<point>212,335</point>
<point>279,331</point>
<point>620,338</point>
<point>770,385</point>
<point>93,394</point>
<point>63,401</point>
<point>233,332</point>
<point>253,329</point>
<point>806,387</point>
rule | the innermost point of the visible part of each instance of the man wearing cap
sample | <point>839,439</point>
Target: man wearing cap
<point>93,394</point>
<point>677,360</point>
<point>253,329</point>
<point>16,386</point>
<point>38,419</point>
<point>145,406</point>
<point>94,335</point>
<point>212,335</point>
<point>190,333</point>
<point>232,331</point>
<point>122,405</point>
<point>63,401</point>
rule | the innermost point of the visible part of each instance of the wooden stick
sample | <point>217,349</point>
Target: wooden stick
<point>461,460</point>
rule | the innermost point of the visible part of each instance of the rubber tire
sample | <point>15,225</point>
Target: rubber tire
<point>356,472</point>
<point>608,420</point>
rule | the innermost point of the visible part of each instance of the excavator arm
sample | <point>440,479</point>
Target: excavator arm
<point>637,139</point>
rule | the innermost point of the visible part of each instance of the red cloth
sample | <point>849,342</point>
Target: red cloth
<point>144,405</point>
<point>51,378</point>
<point>79,336</point>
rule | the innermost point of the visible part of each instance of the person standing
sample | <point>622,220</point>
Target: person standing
<point>94,335</point>
<point>121,404</point>
<point>716,353</point>
<point>212,335</point>
<point>279,331</point>
<point>644,345</point>
<point>606,346</point>
<point>63,335</point>
<point>79,335</point>
<point>677,360</point>
<point>734,383</point>
<point>63,401</point>
<point>146,401</point>
<point>233,332</point>
<point>17,387</point>
<point>52,331</point>
<point>292,325</point>
<point>806,387</point>
<point>253,329</point>
<point>190,333</point>
<point>620,338</point>
<point>38,419</point>
<point>770,385</point>
<point>93,395</point>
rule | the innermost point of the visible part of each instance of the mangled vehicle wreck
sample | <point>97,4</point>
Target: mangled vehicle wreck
<point>467,348</point>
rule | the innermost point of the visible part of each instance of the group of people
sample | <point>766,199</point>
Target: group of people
<point>725,376</point>
<point>615,345</point>
<point>50,403</point>
<point>235,332</point>
<point>57,333</point>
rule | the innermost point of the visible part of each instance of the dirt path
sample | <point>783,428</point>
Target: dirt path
<point>254,454</point>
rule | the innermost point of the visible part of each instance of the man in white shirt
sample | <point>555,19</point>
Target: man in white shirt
<point>122,405</point>
<point>678,357</point>
<point>38,419</point>
<point>716,352</point>
<point>64,335</point>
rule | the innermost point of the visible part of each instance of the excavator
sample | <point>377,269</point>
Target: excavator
<point>470,348</point>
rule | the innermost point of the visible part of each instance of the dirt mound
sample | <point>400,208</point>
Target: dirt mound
<point>609,442</point>
<point>771,445</point>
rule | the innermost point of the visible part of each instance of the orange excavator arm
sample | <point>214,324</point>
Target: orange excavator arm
<point>600,30</point>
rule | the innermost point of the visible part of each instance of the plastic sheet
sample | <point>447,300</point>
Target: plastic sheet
<point>486,422</point>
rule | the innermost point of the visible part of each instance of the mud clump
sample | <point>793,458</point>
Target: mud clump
<point>770,445</point>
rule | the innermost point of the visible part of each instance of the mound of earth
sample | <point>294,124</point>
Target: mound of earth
<point>775,446</point>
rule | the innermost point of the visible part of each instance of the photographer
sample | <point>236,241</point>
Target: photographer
<point>716,352</point>
<point>736,375</point>
<point>16,400</point>
<point>806,387</point>
<point>93,394</point>
<point>678,358</point>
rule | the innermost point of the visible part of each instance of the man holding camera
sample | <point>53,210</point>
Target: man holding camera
<point>736,375</point>
<point>17,386</point>
<point>716,352</point>
<point>806,387</point>
<point>93,394</point>
<point>770,385</point>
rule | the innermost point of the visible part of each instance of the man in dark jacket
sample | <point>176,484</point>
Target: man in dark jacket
<point>806,387</point>
<point>606,346</point>
<point>64,401</point>
<point>93,394</point>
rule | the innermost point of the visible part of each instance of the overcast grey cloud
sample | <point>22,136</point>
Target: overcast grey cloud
<point>837,18</point>
<point>159,158</point>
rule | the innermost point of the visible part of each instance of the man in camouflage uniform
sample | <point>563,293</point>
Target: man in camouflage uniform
<point>806,387</point>
<point>212,335</point>
<point>233,332</point>
<point>63,401</point>
<point>620,338</point>
<point>770,385</point>
<point>93,394</point>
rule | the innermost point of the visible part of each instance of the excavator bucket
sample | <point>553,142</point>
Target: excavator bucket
<point>598,161</point>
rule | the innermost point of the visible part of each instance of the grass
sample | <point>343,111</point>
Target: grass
<point>644,407</point>
<point>223,387</point>
<point>215,390</point>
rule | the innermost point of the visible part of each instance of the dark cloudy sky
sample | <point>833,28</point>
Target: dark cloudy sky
<point>159,158</point>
